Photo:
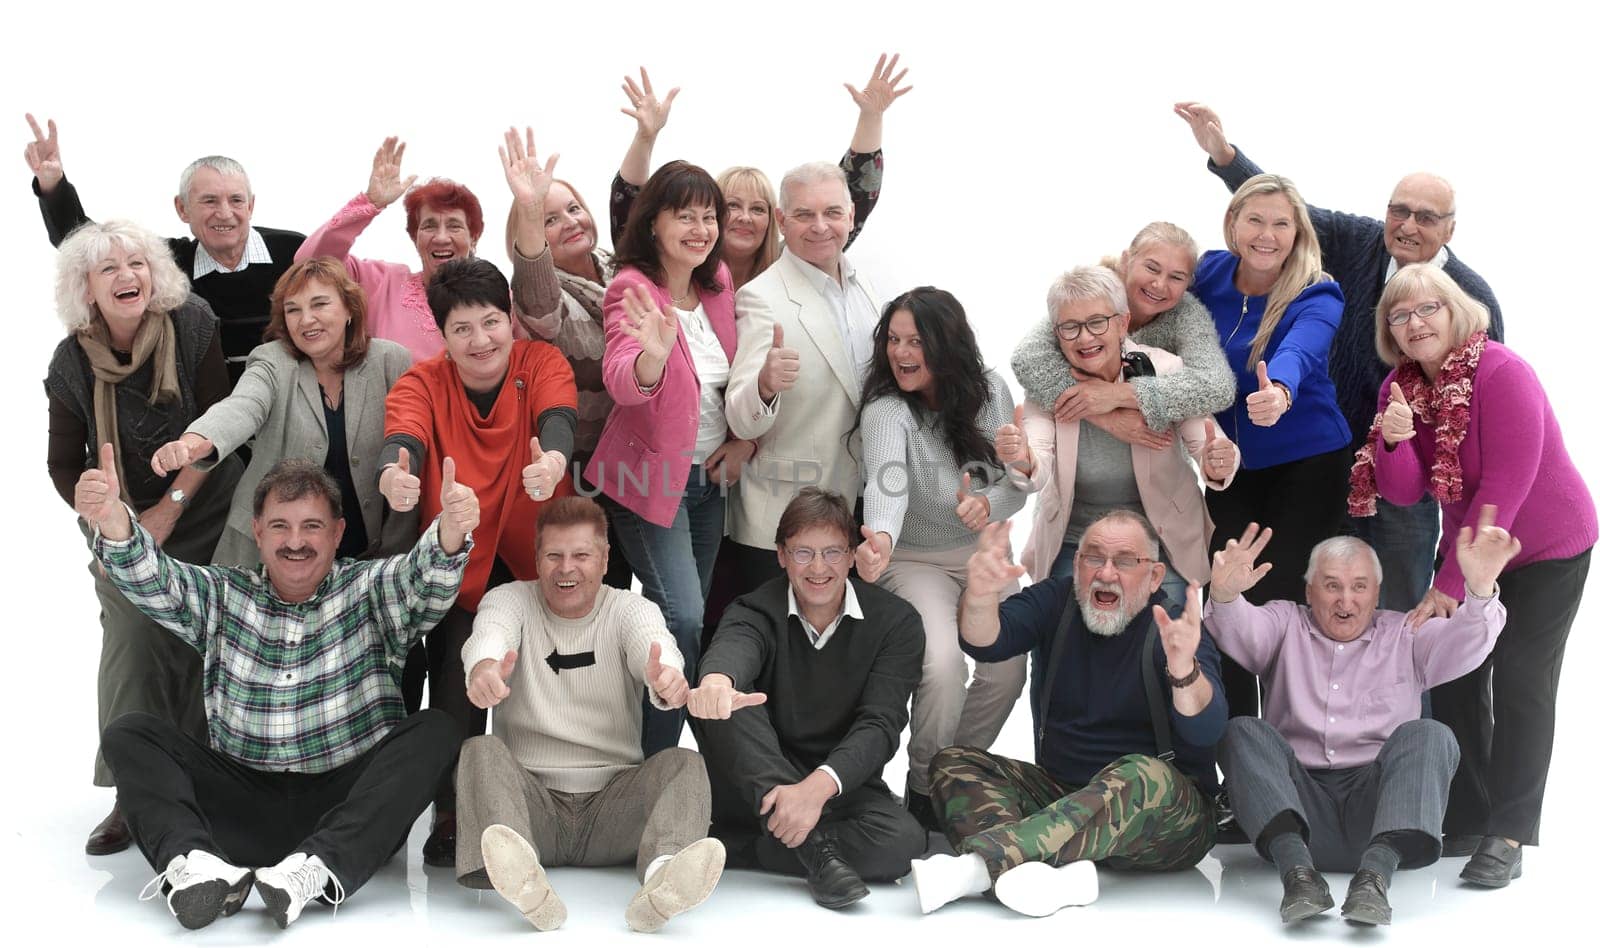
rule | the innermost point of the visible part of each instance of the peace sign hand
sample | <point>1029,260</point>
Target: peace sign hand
<point>43,155</point>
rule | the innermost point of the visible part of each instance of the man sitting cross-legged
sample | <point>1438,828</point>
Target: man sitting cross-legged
<point>561,780</point>
<point>312,768</point>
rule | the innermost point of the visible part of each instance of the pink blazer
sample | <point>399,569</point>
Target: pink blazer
<point>1168,487</point>
<point>643,458</point>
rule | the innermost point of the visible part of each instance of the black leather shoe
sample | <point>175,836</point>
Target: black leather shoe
<point>1459,844</point>
<point>110,836</point>
<point>1366,902</point>
<point>1305,893</point>
<point>440,849</point>
<point>1494,865</point>
<point>832,881</point>
<point>1229,832</point>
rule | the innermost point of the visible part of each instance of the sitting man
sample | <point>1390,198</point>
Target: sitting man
<point>1339,773</point>
<point>797,784</point>
<point>312,769</point>
<point>1126,773</point>
<point>561,780</point>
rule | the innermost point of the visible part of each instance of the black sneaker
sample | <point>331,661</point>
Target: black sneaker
<point>1367,900</point>
<point>834,884</point>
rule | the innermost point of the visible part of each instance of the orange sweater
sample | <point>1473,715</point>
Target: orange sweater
<point>429,403</point>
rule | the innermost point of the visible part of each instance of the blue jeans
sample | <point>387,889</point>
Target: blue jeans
<point>1407,540</point>
<point>674,568</point>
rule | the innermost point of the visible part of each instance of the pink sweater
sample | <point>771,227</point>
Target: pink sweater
<point>1512,456</point>
<point>397,306</point>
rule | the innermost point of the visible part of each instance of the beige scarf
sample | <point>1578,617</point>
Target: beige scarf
<point>155,337</point>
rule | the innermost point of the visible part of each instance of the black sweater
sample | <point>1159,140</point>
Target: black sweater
<point>843,705</point>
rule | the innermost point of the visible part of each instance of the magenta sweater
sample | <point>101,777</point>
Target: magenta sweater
<point>1512,456</point>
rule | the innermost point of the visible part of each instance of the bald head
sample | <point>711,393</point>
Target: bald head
<point>1420,218</point>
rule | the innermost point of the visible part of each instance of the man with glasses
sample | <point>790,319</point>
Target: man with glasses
<point>797,782</point>
<point>1363,253</point>
<point>1131,708</point>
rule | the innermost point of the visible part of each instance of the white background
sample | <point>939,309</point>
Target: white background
<point>1039,137</point>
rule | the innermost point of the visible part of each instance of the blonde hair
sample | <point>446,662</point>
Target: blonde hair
<point>1417,280</point>
<point>1160,232</point>
<point>1300,270</point>
<point>92,243</point>
<point>753,179</point>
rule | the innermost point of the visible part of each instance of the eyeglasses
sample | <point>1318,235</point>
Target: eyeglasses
<point>1122,561</point>
<point>1400,212</point>
<point>803,555</point>
<point>1399,317</point>
<point>1096,326</point>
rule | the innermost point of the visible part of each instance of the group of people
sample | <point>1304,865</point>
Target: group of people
<point>314,483</point>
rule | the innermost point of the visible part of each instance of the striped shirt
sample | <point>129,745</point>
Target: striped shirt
<point>294,686</point>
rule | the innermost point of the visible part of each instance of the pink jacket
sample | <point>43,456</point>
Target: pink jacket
<point>1168,488</point>
<point>643,458</point>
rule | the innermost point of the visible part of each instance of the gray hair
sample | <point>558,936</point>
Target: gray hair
<point>92,243</point>
<point>1086,283</point>
<point>812,172</point>
<point>221,164</point>
<point>1125,515</point>
<point>1343,548</point>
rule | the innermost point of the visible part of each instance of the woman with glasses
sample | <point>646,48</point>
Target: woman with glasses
<point>930,410</point>
<point>1276,313</point>
<point>1465,419</point>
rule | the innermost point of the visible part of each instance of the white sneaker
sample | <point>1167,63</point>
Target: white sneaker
<point>514,871</point>
<point>1037,889</point>
<point>199,887</point>
<point>941,879</point>
<point>680,884</point>
<point>298,879</point>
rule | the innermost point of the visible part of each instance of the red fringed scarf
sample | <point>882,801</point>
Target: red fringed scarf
<point>1443,405</point>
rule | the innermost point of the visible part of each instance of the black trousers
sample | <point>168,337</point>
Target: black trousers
<point>179,794</point>
<point>1304,503</point>
<point>744,760</point>
<point>437,660</point>
<point>738,570</point>
<point>1506,727</point>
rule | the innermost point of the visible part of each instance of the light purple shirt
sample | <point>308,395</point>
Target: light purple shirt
<point>1337,702</point>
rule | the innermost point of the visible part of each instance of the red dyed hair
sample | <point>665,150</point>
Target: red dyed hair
<point>444,195</point>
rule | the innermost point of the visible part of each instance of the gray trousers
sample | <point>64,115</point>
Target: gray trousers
<point>654,809</point>
<point>1402,792</point>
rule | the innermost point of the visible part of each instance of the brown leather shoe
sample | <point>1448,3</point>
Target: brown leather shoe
<point>110,836</point>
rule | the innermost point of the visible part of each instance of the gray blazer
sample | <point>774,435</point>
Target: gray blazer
<point>278,403</point>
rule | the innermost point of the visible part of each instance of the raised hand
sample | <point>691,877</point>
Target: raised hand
<point>872,554</point>
<point>544,472</point>
<point>44,156</point>
<point>971,509</point>
<point>1207,128</point>
<point>666,681</point>
<point>1397,421</point>
<point>1270,400</point>
<point>1011,443</point>
<point>880,91</point>
<point>990,570</point>
<point>1220,455</point>
<point>399,486</point>
<point>1234,569</point>
<point>782,368</point>
<point>458,513</point>
<point>529,183</point>
<point>1482,557</point>
<point>179,454</point>
<point>651,113</point>
<point>385,186</point>
<point>1434,605</point>
<point>716,699</point>
<point>1128,426</point>
<point>655,331</point>
<point>486,686</point>
<point>98,497</point>
<point>1180,637</point>
<point>727,463</point>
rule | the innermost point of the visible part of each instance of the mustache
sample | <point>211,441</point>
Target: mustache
<point>286,551</point>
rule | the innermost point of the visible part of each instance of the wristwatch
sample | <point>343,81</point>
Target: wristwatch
<point>179,497</point>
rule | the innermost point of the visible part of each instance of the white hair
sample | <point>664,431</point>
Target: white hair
<point>812,172</point>
<point>1342,548</point>
<point>1086,283</point>
<point>92,243</point>
<point>221,164</point>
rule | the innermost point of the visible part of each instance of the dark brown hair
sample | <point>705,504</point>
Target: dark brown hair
<point>815,507</point>
<point>674,186</point>
<point>294,478</point>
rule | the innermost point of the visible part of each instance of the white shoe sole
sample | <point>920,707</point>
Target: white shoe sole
<point>514,870</point>
<point>686,880</point>
<point>1036,889</point>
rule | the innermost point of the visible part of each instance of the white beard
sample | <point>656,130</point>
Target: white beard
<point>1102,622</point>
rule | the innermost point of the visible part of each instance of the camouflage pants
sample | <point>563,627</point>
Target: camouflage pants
<point>1137,813</point>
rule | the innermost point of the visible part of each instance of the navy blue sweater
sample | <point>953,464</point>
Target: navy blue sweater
<point>1098,711</point>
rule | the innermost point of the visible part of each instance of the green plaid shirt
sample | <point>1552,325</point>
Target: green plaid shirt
<point>294,686</point>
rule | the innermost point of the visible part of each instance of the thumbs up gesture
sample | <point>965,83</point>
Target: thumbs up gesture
<point>1398,425</point>
<point>544,472</point>
<point>971,509</point>
<point>872,556</point>
<point>458,514</point>
<point>399,486</point>
<point>666,681</point>
<point>1270,400</point>
<point>781,369</point>
<point>98,498</point>
<point>716,698</point>
<point>487,685</point>
<point>1011,444</point>
<point>1219,457</point>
